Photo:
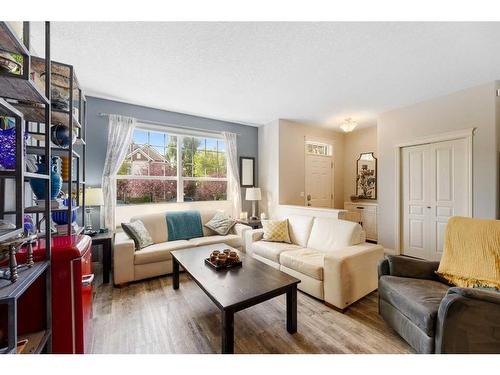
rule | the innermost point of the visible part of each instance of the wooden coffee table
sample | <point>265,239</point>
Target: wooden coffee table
<point>237,288</point>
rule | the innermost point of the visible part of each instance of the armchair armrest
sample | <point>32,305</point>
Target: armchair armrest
<point>252,236</point>
<point>123,258</point>
<point>350,273</point>
<point>468,322</point>
<point>409,267</point>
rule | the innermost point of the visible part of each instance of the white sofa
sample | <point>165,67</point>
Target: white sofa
<point>155,260</point>
<point>329,256</point>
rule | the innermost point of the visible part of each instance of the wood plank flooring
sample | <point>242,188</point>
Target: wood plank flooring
<point>150,317</point>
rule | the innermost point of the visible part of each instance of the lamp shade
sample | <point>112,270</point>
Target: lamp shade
<point>94,197</point>
<point>253,194</point>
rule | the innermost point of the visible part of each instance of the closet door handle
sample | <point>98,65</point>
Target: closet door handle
<point>361,208</point>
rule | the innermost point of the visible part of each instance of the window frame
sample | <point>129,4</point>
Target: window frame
<point>180,134</point>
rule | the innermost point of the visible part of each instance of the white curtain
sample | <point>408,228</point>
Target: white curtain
<point>120,133</point>
<point>230,140</point>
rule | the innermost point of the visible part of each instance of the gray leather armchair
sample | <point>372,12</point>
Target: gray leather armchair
<point>432,316</point>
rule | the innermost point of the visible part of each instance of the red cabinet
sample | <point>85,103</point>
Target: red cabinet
<point>71,293</point>
<point>71,271</point>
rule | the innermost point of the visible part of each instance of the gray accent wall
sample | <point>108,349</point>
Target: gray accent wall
<point>97,132</point>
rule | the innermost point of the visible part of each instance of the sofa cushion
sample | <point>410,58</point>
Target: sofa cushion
<point>138,233</point>
<point>329,234</point>
<point>159,252</point>
<point>206,216</point>
<point>307,261</point>
<point>232,240</point>
<point>299,227</point>
<point>417,299</point>
<point>156,226</point>
<point>272,250</point>
<point>276,230</point>
<point>220,223</point>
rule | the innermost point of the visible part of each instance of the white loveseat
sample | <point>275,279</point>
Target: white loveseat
<point>329,256</point>
<point>155,260</point>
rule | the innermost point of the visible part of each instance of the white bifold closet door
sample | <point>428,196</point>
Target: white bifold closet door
<point>435,179</point>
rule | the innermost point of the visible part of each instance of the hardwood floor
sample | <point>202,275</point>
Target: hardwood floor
<point>151,317</point>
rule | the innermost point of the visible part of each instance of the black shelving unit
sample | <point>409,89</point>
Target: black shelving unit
<point>17,90</point>
<point>74,117</point>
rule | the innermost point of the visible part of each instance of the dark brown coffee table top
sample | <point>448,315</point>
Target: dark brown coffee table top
<point>236,288</point>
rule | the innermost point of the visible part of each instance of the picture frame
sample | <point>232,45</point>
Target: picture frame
<point>366,176</point>
<point>247,171</point>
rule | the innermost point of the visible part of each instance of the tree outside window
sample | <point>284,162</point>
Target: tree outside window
<point>151,172</point>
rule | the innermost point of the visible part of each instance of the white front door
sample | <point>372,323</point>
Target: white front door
<point>318,181</point>
<point>435,187</point>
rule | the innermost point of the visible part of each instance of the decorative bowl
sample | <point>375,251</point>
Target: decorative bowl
<point>9,64</point>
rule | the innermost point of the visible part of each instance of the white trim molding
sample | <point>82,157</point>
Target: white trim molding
<point>448,136</point>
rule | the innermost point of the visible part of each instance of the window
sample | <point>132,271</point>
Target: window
<point>317,148</point>
<point>152,173</point>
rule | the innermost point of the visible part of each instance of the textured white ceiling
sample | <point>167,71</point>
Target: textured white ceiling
<point>257,72</point>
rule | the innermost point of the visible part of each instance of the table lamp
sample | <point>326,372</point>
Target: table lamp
<point>93,197</point>
<point>253,194</point>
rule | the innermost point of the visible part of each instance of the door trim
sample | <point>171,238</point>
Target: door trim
<point>448,136</point>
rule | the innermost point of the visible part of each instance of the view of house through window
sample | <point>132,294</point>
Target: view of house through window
<point>153,173</point>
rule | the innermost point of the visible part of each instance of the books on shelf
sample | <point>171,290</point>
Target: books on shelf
<point>63,229</point>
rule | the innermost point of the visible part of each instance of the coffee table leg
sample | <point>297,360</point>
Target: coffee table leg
<point>227,332</point>
<point>175,269</point>
<point>291,309</point>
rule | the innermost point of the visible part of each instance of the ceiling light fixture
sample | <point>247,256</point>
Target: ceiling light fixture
<point>348,125</point>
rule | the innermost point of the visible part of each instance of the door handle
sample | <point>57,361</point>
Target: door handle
<point>87,280</point>
<point>361,208</point>
<point>429,207</point>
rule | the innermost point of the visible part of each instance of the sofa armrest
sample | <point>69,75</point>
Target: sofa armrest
<point>239,230</point>
<point>403,266</point>
<point>252,236</point>
<point>123,258</point>
<point>468,322</point>
<point>383,268</point>
<point>350,273</point>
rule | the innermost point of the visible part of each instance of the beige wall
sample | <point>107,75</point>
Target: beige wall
<point>474,107</point>
<point>269,167</point>
<point>355,143</point>
<point>292,136</point>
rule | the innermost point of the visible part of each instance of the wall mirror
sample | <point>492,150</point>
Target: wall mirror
<point>366,176</point>
<point>247,171</point>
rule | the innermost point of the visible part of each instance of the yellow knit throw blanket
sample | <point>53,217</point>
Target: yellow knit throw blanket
<point>471,254</point>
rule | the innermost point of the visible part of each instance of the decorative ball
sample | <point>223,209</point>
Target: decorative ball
<point>59,134</point>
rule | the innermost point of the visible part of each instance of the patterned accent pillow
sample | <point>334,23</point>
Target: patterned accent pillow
<point>138,232</point>
<point>276,231</point>
<point>220,223</point>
